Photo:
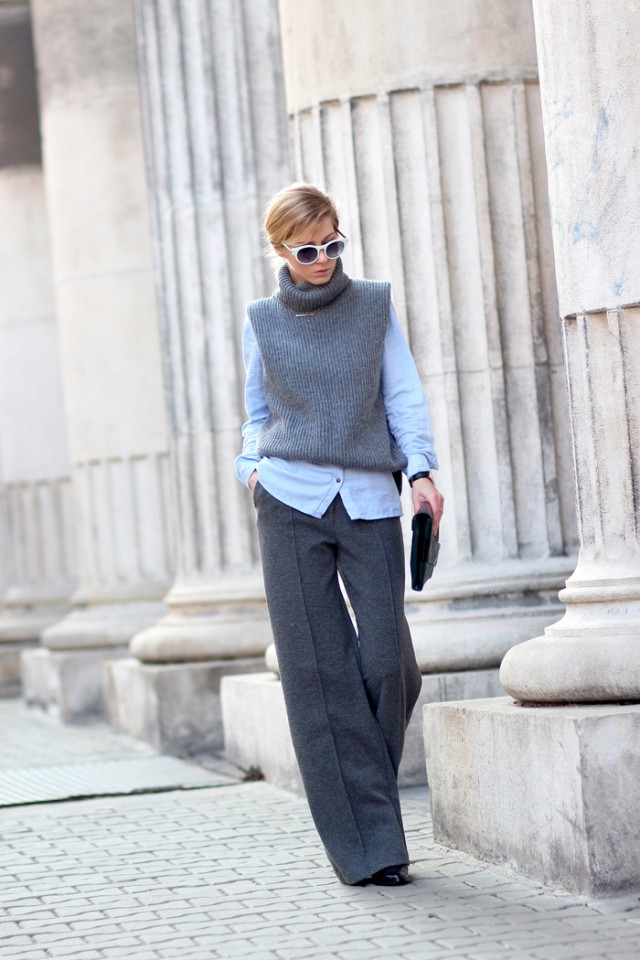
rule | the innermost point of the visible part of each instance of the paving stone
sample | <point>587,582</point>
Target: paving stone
<point>202,955</point>
<point>428,954</point>
<point>57,939</point>
<point>616,905</point>
<point>520,939</point>
<point>18,912</point>
<point>27,954</point>
<point>9,952</point>
<point>467,942</point>
<point>150,954</point>
<point>628,933</point>
<point>30,927</point>
<point>574,951</point>
<point>491,952</point>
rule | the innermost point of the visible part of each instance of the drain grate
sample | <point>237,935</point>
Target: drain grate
<point>103,778</point>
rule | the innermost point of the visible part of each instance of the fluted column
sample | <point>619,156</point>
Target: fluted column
<point>426,126</point>
<point>566,811</point>
<point>215,134</point>
<point>592,127</point>
<point>36,535</point>
<point>99,228</point>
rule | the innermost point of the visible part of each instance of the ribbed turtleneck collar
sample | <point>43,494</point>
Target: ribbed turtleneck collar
<point>309,297</point>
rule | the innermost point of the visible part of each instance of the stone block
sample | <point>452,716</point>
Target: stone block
<point>173,706</point>
<point>436,688</point>
<point>256,731</point>
<point>552,792</point>
<point>10,654</point>
<point>66,683</point>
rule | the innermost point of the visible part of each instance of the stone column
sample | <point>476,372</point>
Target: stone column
<point>215,135</point>
<point>567,807</point>
<point>36,544</point>
<point>592,125</point>
<point>97,206</point>
<point>426,126</point>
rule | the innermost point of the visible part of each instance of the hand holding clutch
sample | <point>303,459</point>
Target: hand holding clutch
<point>425,547</point>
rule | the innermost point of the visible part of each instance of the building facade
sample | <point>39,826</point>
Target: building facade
<point>139,142</point>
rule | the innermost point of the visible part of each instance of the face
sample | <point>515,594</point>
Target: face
<point>322,270</point>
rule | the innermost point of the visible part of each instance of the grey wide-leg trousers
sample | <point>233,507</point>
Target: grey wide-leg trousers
<point>348,695</point>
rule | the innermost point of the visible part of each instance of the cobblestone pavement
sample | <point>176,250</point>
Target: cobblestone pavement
<point>237,870</point>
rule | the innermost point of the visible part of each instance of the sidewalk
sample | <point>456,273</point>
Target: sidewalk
<point>217,867</point>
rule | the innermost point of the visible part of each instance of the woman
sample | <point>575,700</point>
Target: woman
<point>336,408</point>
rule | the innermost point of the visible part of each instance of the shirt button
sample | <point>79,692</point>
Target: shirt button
<point>338,479</point>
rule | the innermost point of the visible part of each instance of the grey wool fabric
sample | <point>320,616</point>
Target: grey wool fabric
<point>349,694</point>
<point>321,349</point>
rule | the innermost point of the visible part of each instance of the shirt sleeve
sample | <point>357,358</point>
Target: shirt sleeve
<point>256,405</point>
<point>405,403</point>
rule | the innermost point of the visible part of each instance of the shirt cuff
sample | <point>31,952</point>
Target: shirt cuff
<point>245,465</point>
<point>418,463</point>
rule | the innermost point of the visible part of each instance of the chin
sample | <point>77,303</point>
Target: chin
<point>323,278</point>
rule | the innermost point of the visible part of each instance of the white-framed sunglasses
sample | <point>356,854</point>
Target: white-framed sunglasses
<point>308,253</point>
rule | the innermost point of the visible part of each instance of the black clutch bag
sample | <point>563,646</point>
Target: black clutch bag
<point>425,547</point>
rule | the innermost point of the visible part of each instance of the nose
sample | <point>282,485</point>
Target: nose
<point>322,257</point>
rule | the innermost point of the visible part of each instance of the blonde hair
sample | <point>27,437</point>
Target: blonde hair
<point>298,206</point>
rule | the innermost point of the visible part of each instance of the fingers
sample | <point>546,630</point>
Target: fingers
<point>428,493</point>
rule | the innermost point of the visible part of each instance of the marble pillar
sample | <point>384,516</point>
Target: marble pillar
<point>566,754</point>
<point>427,128</point>
<point>592,125</point>
<point>111,364</point>
<point>36,542</point>
<point>216,149</point>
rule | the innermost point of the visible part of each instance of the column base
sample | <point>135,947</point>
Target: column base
<point>552,792</point>
<point>257,732</point>
<point>205,636</point>
<point>208,619</point>
<point>66,683</point>
<point>174,706</point>
<point>20,626</point>
<point>102,625</point>
<point>591,667</point>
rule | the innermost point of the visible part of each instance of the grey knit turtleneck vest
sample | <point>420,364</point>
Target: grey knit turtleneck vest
<point>321,348</point>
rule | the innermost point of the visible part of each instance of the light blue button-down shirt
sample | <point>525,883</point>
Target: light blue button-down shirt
<point>309,487</point>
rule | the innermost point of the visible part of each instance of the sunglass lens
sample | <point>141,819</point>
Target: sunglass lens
<point>334,249</point>
<point>307,255</point>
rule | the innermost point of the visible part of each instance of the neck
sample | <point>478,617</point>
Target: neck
<point>309,297</point>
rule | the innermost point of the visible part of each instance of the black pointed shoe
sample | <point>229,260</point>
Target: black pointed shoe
<point>391,876</point>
